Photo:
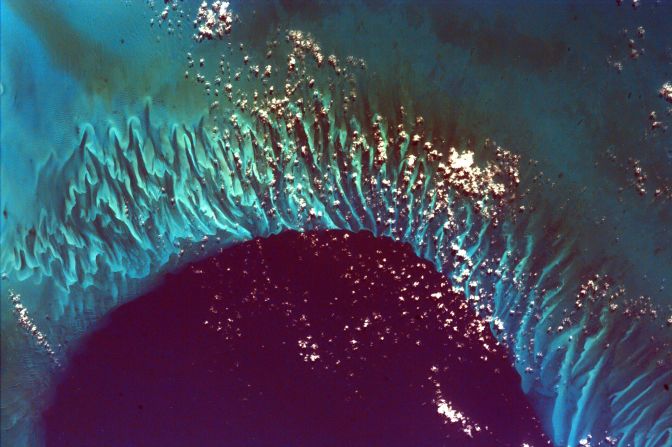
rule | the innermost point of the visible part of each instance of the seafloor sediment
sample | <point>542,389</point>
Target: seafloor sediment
<point>130,148</point>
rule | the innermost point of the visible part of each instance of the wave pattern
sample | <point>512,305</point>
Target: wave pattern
<point>138,199</point>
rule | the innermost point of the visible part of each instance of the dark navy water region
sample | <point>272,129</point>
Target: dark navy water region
<point>329,339</point>
<point>485,189</point>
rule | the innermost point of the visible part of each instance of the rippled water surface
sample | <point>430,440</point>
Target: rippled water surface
<point>362,222</point>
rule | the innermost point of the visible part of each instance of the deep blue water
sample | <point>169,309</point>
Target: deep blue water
<point>520,148</point>
<point>155,373</point>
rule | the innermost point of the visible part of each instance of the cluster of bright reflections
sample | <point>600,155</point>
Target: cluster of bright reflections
<point>286,141</point>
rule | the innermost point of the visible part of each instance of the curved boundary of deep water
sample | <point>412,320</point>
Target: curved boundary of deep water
<point>145,187</point>
<point>140,197</point>
<point>403,327</point>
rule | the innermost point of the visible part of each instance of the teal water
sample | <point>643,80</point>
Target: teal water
<point>116,168</point>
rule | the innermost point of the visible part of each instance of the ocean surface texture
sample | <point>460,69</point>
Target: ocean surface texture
<point>357,222</point>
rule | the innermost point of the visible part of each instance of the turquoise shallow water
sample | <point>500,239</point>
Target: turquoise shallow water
<point>116,168</point>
